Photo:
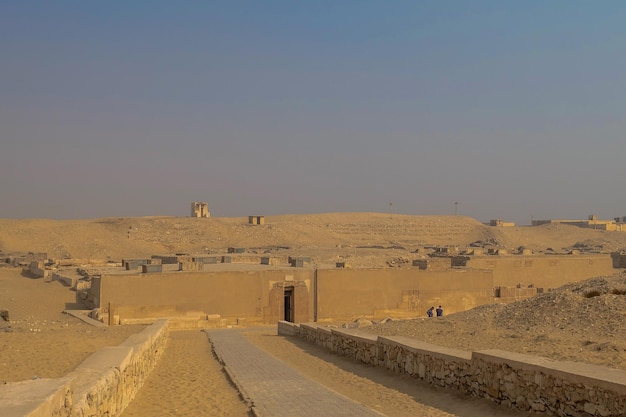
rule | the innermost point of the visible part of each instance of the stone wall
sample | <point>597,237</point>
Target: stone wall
<point>103,385</point>
<point>67,277</point>
<point>514,380</point>
<point>347,294</point>
<point>542,271</point>
<point>334,294</point>
<point>232,294</point>
<point>38,269</point>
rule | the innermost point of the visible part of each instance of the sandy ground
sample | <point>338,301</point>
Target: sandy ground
<point>360,239</point>
<point>581,322</point>
<point>188,381</point>
<point>42,341</point>
<point>578,322</point>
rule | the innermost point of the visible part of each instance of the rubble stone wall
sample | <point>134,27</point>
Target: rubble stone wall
<point>524,382</point>
<point>103,385</point>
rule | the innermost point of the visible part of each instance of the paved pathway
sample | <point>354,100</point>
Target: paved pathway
<point>272,388</point>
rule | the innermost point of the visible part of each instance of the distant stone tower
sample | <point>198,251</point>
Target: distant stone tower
<point>200,209</point>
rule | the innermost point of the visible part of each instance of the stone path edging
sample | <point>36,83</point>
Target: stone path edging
<point>274,389</point>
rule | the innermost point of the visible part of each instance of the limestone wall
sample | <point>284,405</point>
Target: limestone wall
<point>343,294</point>
<point>335,294</point>
<point>232,294</point>
<point>543,271</point>
<point>103,385</point>
<point>514,380</point>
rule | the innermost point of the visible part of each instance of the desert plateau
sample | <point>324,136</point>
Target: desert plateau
<point>579,322</point>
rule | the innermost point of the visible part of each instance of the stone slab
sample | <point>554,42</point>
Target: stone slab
<point>36,398</point>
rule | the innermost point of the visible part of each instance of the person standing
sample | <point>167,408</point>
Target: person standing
<point>430,311</point>
<point>439,311</point>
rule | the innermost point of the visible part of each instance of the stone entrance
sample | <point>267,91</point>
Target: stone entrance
<point>289,301</point>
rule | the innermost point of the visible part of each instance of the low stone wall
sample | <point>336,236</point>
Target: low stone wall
<point>525,382</point>
<point>103,385</point>
<point>67,278</point>
<point>37,398</point>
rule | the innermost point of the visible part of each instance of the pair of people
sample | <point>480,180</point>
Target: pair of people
<point>439,311</point>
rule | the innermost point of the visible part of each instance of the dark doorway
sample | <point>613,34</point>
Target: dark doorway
<point>289,304</point>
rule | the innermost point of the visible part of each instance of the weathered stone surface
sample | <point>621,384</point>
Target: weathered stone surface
<point>36,398</point>
<point>103,385</point>
<point>514,380</point>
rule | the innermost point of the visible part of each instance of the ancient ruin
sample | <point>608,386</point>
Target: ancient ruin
<point>200,209</point>
<point>191,288</point>
<point>618,224</point>
<point>500,223</point>
<point>239,280</point>
<point>256,219</point>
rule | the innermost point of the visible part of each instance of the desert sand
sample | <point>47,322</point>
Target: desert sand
<point>187,381</point>
<point>363,239</point>
<point>41,341</point>
<point>579,322</point>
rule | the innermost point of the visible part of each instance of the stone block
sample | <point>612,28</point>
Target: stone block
<point>37,269</point>
<point>148,269</point>
<point>205,259</point>
<point>166,260</point>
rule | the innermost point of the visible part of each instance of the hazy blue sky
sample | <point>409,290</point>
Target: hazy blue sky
<point>137,108</point>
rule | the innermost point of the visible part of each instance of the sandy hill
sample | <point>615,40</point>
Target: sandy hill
<point>366,239</point>
<point>580,322</point>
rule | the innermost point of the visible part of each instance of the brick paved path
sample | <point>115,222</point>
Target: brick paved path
<point>272,388</point>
